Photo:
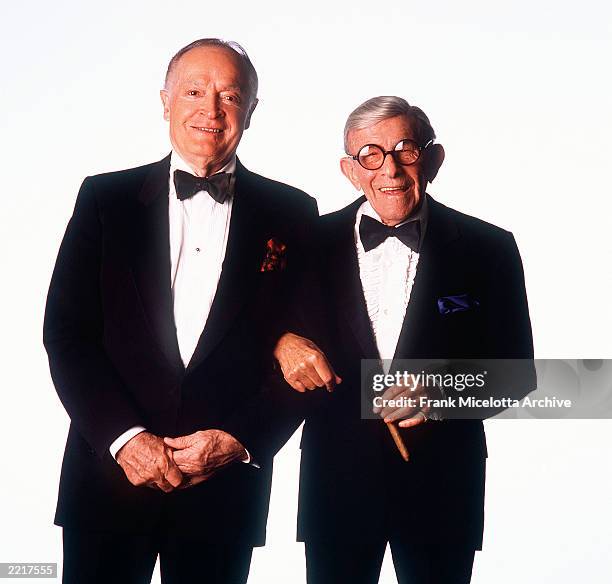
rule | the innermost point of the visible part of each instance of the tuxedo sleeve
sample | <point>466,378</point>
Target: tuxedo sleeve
<point>511,370</point>
<point>268,420</point>
<point>508,361</point>
<point>87,383</point>
<point>289,292</point>
<point>507,312</point>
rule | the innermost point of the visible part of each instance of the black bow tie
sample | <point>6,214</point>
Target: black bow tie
<point>187,185</point>
<point>372,233</point>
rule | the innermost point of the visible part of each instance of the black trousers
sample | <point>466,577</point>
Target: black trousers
<point>340,563</point>
<point>105,558</point>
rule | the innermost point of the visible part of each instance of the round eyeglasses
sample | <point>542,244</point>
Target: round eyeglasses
<point>405,152</point>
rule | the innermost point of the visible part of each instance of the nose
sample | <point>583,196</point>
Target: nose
<point>390,167</point>
<point>209,105</point>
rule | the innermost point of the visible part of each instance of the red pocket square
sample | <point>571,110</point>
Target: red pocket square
<point>275,256</point>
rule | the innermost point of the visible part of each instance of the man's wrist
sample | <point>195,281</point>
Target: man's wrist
<point>248,459</point>
<point>123,439</point>
<point>436,413</point>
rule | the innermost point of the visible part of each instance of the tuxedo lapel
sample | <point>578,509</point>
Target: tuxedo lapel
<point>431,272</point>
<point>344,271</point>
<point>149,230</point>
<point>243,256</point>
<point>149,233</point>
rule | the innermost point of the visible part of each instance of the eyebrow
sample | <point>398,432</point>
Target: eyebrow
<point>232,88</point>
<point>199,83</point>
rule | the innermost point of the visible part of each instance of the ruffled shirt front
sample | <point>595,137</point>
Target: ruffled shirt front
<point>387,275</point>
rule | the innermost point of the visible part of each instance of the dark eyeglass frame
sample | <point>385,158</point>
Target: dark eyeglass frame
<point>394,153</point>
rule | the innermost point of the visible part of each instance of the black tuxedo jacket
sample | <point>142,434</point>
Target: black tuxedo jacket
<point>353,483</point>
<point>111,340</point>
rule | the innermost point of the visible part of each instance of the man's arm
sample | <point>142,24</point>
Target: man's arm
<point>85,379</point>
<point>267,421</point>
<point>254,433</point>
<point>509,356</point>
<point>123,439</point>
<point>303,364</point>
<point>507,317</point>
<point>297,351</point>
<point>261,425</point>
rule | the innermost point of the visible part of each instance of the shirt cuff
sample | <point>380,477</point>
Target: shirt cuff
<point>249,459</point>
<point>124,438</point>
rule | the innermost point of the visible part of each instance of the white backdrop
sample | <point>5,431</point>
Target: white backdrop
<point>519,94</point>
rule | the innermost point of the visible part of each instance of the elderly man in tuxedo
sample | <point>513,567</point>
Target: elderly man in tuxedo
<point>381,286</point>
<point>165,300</point>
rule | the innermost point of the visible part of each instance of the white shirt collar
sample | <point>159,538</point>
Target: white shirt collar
<point>367,209</point>
<point>177,163</point>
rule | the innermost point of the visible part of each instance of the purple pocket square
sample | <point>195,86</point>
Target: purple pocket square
<point>457,303</point>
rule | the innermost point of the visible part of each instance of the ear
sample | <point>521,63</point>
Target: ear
<point>433,161</point>
<point>163,93</point>
<point>348,170</point>
<point>247,122</point>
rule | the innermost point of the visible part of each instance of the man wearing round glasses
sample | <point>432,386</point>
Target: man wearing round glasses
<point>397,275</point>
<point>393,161</point>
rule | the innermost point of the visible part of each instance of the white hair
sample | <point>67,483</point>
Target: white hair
<point>229,45</point>
<point>377,109</point>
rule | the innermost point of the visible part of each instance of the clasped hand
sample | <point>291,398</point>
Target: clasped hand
<point>177,463</point>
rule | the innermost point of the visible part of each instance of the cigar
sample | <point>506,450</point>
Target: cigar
<point>399,441</point>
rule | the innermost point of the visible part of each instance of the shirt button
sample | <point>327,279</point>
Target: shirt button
<point>197,250</point>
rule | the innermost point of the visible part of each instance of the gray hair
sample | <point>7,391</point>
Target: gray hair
<point>377,109</point>
<point>231,46</point>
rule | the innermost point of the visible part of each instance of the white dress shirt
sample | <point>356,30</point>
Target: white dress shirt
<point>199,227</point>
<point>198,239</point>
<point>387,275</point>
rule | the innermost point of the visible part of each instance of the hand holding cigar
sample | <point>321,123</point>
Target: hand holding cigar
<point>401,403</point>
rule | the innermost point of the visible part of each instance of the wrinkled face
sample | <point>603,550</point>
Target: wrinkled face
<point>208,104</point>
<point>393,190</point>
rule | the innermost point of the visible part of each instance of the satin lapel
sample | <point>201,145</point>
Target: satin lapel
<point>441,232</point>
<point>344,272</point>
<point>243,256</point>
<point>151,259</point>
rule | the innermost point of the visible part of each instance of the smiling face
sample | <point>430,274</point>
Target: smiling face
<point>393,190</point>
<point>208,104</point>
